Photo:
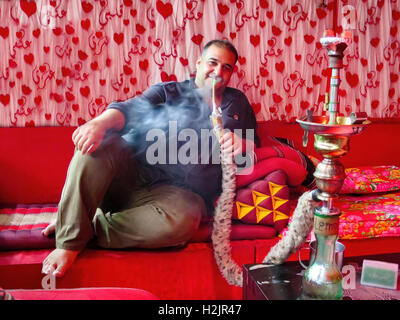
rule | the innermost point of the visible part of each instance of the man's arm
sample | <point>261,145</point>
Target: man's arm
<point>240,110</point>
<point>87,138</point>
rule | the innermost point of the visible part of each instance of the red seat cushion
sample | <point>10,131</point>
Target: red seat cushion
<point>83,294</point>
<point>33,163</point>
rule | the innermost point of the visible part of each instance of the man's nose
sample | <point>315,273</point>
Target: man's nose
<point>218,70</point>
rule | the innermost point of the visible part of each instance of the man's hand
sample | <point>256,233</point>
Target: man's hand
<point>231,143</point>
<point>235,145</point>
<point>88,137</point>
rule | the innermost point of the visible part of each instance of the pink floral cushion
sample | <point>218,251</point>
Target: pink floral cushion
<point>369,215</point>
<point>365,216</point>
<point>371,179</point>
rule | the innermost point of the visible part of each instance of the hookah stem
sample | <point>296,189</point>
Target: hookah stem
<point>216,118</point>
<point>333,104</point>
<point>214,82</point>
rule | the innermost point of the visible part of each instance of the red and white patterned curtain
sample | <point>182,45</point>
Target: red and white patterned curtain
<point>370,79</point>
<point>63,61</point>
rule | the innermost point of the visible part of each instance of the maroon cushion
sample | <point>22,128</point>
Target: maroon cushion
<point>21,226</point>
<point>296,173</point>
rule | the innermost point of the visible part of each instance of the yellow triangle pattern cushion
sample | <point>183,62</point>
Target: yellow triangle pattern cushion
<point>265,201</point>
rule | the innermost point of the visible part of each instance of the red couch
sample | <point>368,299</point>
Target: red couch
<point>33,164</point>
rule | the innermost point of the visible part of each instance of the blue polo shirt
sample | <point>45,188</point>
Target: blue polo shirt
<point>170,131</point>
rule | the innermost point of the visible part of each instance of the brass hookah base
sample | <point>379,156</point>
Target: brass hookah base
<point>322,278</point>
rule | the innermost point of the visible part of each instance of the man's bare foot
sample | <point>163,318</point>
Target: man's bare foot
<point>50,229</point>
<point>58,261</point>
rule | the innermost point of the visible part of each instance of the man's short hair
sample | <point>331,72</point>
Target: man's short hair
<point>221,44</point>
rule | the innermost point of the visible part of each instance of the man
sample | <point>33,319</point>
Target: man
<point>115,194</point>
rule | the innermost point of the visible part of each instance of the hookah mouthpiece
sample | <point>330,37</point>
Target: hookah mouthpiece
<point>216,117</point>
<point>215,78</point>
<point>214,103</point>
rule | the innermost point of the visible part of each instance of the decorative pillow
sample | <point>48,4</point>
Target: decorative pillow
<point>371,179</point>
<point>369,215</point>
<point>81,294</point>
<point>264,201</point>
<point>295,172</point>
<point>21,226</point>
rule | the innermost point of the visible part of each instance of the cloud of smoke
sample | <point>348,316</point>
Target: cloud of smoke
<point>175,140</point>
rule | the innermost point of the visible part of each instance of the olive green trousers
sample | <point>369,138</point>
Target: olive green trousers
<point>105,196</point>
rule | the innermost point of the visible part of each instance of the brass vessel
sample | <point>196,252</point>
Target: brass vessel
<point>322,279</point>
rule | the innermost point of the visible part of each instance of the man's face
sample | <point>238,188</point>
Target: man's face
<point>217,62</point>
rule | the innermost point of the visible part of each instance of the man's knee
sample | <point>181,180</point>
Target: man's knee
<point>187,217</point>
<point>178,223</point>
<point>187,225</point>
<point>169,217</point>
<point>113,153</point>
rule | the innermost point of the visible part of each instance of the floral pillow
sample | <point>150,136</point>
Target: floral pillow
<point>371,179</point>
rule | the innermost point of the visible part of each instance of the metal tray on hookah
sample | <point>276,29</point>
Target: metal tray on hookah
<point>345,126</point>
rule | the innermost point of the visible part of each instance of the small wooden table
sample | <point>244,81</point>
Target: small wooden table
<point>284,282</point>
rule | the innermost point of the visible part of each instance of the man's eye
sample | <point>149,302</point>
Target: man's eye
<point>228,68</point>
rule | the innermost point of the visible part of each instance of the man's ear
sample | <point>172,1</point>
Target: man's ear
<point>198,61</point>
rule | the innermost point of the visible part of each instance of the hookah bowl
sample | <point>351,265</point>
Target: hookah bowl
<point>322,279</point>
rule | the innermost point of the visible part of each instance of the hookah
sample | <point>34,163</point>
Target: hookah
<point>322,279</point>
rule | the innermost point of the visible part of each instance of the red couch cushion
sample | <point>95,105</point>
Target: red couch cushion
<point>176,273</point>
<point>83,294</point>
<point>33,163</point>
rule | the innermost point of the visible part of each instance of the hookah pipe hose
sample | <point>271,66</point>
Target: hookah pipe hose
<point>298,230</point>
<point>220,235</point>
<point>216,116</point>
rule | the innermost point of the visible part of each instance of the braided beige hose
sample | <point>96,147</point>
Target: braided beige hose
<point>222,226</point>
<point>297,234</point>
<point>299,229</point>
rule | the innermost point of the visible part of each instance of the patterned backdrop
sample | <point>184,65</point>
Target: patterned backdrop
<point>63,61</point>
